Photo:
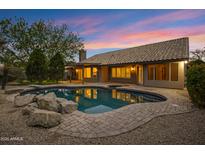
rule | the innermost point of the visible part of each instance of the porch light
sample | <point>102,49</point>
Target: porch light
<point>132,68</point>
<point>185,62</point>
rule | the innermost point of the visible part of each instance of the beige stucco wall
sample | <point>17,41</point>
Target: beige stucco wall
<point>168,83</point>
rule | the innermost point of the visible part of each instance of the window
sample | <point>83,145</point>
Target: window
<point>87,72</point>
<point>79,74</point>
<point>162,72</point>
<point>114,72</point>
<point>121,72</point>
<point>150,72</point>
<point>118,72</point>
<point>174,71</point>
<point>95,71</point>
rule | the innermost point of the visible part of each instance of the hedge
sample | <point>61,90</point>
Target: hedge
<point>196,84</point>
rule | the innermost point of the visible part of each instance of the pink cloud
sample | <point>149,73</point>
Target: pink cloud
<point>90,24</point>
<point>180,15</point>
<point>135,39</point>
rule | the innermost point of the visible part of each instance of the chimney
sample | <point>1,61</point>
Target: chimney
<point>82,55</point>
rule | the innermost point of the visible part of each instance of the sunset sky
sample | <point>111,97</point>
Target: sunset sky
<point>107,30</point>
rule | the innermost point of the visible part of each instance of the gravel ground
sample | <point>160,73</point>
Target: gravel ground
<point>188,128</point>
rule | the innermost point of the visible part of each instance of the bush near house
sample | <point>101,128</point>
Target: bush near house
<point>195,62</point>
<point>196,83</point>
<point>36,69</point>
<point>56,67</point>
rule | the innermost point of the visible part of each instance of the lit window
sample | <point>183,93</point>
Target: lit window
<point>113,72</point>
<point>162,72</point>
<point>174,71</point>
<point>118,72</point>
<point>121,72</point>
<point>79,74</point>
<point>95,70</point>
<point>87,72</point>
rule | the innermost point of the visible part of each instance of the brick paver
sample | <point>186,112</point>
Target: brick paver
<point>124,119</point>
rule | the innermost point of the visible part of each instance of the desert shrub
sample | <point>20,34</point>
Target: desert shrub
<point>56,67</point>
<point>36,69</point>
<point>196,84</point>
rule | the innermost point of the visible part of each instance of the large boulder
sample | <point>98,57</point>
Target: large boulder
<point>66,106</point>
<point>48,102</point>
<point>44,118</point>
<point>27,110</point>
<point>24,100</point>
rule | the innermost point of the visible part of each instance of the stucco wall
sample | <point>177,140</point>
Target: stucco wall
<point>167,83</point>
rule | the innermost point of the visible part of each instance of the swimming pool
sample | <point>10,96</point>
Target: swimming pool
<point>94,100</point>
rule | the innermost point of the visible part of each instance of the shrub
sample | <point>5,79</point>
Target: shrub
<point>195,62</point>
<point>56,67</point>
<point>37,66</point>
<point>196,84</point>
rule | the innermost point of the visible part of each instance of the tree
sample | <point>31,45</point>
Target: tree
<point>36,69</point>
<point>198,54</point>
<point>22,39</point>
<point>56,67</point>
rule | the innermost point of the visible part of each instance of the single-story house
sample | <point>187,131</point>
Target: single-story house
<point>160,64</point>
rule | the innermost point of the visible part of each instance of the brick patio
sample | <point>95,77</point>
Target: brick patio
<point>124,119</point>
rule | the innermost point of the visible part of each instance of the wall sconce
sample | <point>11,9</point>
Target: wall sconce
<point>185,62</point>
<point>132,68</point>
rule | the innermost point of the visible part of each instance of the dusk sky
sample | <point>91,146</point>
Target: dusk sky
<point>107,30</point>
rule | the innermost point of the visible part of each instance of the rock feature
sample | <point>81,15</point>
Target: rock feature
<point>44,110</point>
<point>28,110</point>
<point>66,106</point>
<point>48,102</point>
<point>21,101</point>
<point>43,118</point>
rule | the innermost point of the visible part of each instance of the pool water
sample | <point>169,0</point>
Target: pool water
<point>99,100</point>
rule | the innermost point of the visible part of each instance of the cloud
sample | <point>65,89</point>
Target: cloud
<point>179,15</point>
<point>135,39</point>
<point>90,24</point>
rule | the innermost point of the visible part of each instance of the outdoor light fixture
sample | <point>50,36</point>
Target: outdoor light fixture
<point>185,62</point>
<point>132,68</point>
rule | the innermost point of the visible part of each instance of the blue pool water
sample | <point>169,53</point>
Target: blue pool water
<point>94,100</point>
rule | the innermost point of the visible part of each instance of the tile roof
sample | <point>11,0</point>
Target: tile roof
<point>176,49</point>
